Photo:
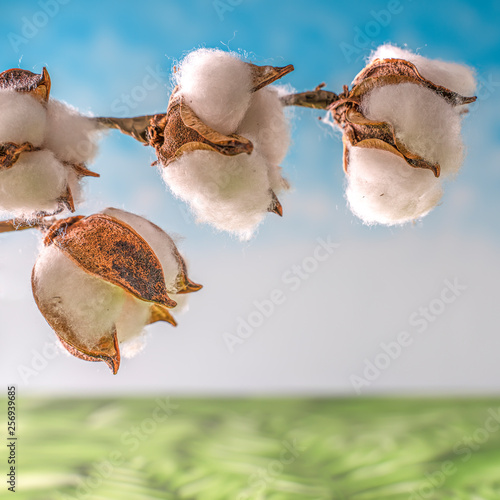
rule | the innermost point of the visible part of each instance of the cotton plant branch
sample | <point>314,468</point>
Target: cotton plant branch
<point>224,112</point>
<point>316,99</point>
<point>137,126</point>
<point>7,226</point>
<point>401,121</point>
<point>100,279</point>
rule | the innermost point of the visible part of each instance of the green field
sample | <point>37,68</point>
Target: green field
<point>276,449</point>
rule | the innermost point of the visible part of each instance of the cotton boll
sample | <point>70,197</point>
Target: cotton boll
<point>426,123</point>
<point>161,244</point>
<point>32,184</point>
<point>217,86</point>
<point>23,118</point>
<point>89,305</point>
<point>71,136</point>
<point>229,192</point>
<point>383,188</point>
<point>265,121</point>
<point>456,77</point>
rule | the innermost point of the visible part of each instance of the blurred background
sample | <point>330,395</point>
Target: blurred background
<point>391,312</point>
<point>336,330</point>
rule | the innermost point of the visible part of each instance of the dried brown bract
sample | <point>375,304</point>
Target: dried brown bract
<point>180,130</point>
<point>22,80</point>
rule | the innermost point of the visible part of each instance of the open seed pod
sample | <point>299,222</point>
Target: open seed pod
<point>221,141</point>
<point>100,279</point>
<point>401,134</point>
<point>44,145</point>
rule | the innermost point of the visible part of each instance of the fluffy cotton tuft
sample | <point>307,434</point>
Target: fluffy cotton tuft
<point>383,188</point>
<point>182,301</point>
<point>65,138</point>
<point>425,122</point>
<point>217,86</point>
<point>71,136</point>
<point>91,306</point>
<point>456,77</point>
<point>162,245</point>
<point>75,184</point>
<point>33,184</point>
<point>133,318</point>
<point>276,180</point>
<point>229,192</point>
<point>266,122</point>
<point>131,348</point>
<point>22,118</point>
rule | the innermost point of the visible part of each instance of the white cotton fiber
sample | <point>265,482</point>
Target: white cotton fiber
<point>22,118</point>
<point>276,180</point>
<point>229,192</point>
<point>265,121</point>
<point>33,183</point>
<point>88,304</point>
<point>160,242</point>
<point>217,86</point>
<point>383,188</point>
<point>133,318</point>
<point>426,123</point>
<point>456,77</point>
<point>71,136</point>
<point>91,306</point>
<point>182,301</point>
<point>75,184</point>
<point>133,346</point>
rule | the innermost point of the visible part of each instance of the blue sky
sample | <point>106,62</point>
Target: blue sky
<point>97,52</point>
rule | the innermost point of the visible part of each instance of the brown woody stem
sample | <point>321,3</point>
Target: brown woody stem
<point>135,127</point>
<point>7,226</point>
<point>317,98</point>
